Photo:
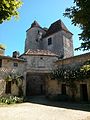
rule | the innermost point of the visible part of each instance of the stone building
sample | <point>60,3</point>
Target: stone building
<point>10,65</point>
<point>83,86</point>
<point>57,39</point>
<point>45,48</point>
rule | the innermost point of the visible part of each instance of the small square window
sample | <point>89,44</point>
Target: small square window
<point>36,40</point>
<point>49,41</point>
<point>15,64</point>
<point>41,58</point>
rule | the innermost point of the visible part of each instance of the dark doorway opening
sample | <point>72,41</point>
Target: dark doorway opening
<point>35,84</point>
<point>8,87</point>
<point>83,92</point>
<point>63,89</point>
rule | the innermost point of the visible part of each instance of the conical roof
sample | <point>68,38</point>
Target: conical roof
<point>35,24</point>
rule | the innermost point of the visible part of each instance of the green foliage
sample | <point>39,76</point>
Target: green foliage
<point>11,100</point>
<point>86,69</point>
<point>2,46</point>
<point>78,72</point>
<point>15,79</point>
<point>70,75</point>
<point>80,16</point>
<point>66,74</point>
<point>8,8</point>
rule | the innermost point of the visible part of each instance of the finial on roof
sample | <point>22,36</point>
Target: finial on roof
<point>35,24</point>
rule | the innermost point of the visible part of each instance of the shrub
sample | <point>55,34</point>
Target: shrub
<point>11,100</point>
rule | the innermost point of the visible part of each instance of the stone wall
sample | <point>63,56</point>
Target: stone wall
<point>36,63</point>
<point>62,44</point>
<point>8,67</point>
<point>33,38</point>
<point>57,43</point>
<point>54,88</point>
<point>74,60</point>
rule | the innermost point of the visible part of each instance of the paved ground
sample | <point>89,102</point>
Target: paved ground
<point>34,111</point>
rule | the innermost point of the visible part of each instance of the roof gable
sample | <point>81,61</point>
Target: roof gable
<point>55,27</point>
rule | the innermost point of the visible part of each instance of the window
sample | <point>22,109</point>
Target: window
<point>36,40</point>
<point>41,58</point>
<point>8,87</point>
<point>39,34</point>
<point>0,62</point>
<point>49,41</point>
<point>15,64</point>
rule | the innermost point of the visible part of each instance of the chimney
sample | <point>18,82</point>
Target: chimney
<point>15,54</point>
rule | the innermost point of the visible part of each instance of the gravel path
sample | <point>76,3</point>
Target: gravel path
<point>30,111</point>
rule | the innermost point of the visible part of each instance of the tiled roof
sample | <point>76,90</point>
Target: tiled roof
<point>40,52</point>
<point>55,27</point>
<point>11,58</point>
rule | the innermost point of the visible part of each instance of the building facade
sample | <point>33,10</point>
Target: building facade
<point>45,49</point>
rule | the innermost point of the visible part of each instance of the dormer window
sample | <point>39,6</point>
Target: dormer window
<point>49,41</point>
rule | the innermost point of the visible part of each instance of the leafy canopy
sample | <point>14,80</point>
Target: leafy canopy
<point>71,74</point>
<point>80,16</point>
<point>8,8</point>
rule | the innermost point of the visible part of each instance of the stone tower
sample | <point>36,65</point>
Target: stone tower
<point>57,39</point>
<point>33,37</point>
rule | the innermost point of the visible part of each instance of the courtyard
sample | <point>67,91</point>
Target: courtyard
<point>41,109</point>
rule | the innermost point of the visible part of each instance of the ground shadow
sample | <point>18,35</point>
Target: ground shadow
<point>69,105</point>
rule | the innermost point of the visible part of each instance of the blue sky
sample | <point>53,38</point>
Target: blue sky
<point>45,12</point>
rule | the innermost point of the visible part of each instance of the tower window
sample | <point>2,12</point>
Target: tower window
<point>49,41</point>
<point>36,40</point>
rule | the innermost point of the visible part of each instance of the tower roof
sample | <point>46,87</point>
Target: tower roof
<point>35,24</point>
<point>57,26</point>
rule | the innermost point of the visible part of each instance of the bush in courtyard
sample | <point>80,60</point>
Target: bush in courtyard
<point>11,100</point>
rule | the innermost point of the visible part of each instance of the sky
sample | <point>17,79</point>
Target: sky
<point>45,12</point>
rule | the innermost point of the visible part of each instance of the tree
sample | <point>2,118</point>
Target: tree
<point>17,79</point>
<point>8,8</point>
<point>80,16</point>
<point>72,74</point>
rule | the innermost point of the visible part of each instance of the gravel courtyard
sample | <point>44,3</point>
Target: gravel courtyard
<point>33,111</point>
